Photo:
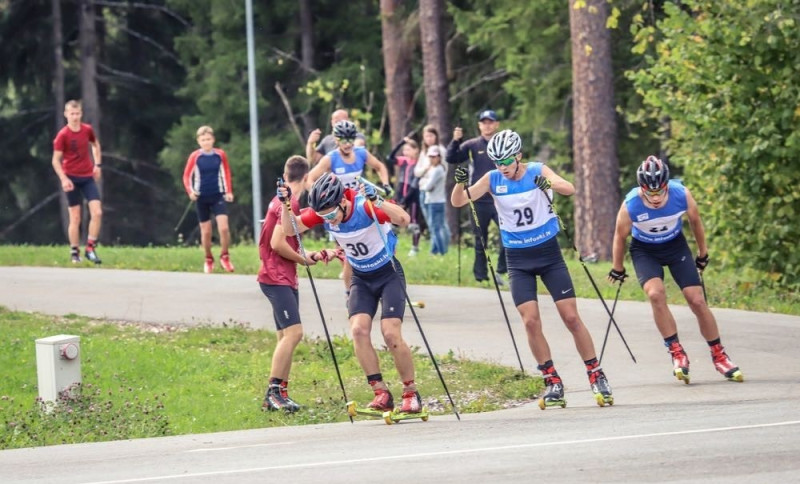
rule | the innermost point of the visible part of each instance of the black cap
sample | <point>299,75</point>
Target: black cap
<point>487,114</point>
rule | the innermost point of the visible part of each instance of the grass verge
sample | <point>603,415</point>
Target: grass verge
<point>144,380</point>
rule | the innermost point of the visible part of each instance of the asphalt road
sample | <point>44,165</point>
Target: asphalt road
<point>659,430</point>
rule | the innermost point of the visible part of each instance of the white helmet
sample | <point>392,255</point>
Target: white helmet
<point>504,145</point>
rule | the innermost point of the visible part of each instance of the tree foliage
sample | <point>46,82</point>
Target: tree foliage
<point>726,73</point>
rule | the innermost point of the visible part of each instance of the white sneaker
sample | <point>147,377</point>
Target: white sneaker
<point>413,252</point>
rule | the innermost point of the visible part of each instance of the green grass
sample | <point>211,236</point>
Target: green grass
<point>727,287</point>
<point>145,381</point>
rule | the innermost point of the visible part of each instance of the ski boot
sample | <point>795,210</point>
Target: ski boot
<point>91,254</point>
<point>553,394</point>
<point>225,262</point>
<point>680,362</point>
<point>75,256</point>
<point>382,404</point>
<point>724,365</point>
<point>285,394</point>
<point>600,387</point>
<point>208,266</point>
<point>274,400</point>
<point>409,409</point>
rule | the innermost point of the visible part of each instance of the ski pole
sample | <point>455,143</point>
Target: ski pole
<point>479,237</point>
<point>458,237</point>
<point>288,204</point>
<point>589,274</point>
<point>183,217</point>
<point>608,328</point>
<point>703,285</point>
<point>361,179</point>
<point>411,306</point>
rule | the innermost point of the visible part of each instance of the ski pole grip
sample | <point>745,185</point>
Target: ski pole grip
<point>361,179</point>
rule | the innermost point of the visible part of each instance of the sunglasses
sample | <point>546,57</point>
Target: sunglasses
<point>654,193</point>
<point>348,141</point>
<point>330,215</point>
<point>506,162</point>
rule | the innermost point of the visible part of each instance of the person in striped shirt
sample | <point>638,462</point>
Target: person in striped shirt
<point>207,180</point>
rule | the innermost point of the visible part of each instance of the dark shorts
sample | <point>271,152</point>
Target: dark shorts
<point>649,261</point>
<point>285,302</point>
<point>207,205</point>
<point>85,187</point>
<point>384,285</point>
<point>544,260</point>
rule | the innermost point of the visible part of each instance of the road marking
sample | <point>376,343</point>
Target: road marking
<point>449,452</point>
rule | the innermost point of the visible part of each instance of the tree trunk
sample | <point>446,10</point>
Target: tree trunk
<point>306,53</point>
<point>595,130</point>
<point>59,97</point>
<point>434,69</point>
<point>90,98</point>
<point>397,67</point>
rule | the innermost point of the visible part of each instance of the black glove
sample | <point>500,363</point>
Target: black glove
<point>617,275</point>
<point>542,182</point>
<point>288,196</point>
<point>701,262</point>
<point>462,175</point>
<point>387,188</point>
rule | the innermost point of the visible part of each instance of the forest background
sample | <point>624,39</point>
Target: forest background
<point>593,87</point>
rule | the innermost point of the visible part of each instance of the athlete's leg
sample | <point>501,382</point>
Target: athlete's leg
<point>360,329</point>
<point>96,218</point>
<point>224,233</point>
<point>705,318</point>
<point>657,295</point>
<point>529,311</point>
<point>74,229</point>
<point>288,340</point>
<point>568,310</point>
<point>392,336</point>
<point>205,237</point>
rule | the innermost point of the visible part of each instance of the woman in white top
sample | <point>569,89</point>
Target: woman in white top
<point>430,137</point>
<point>433,186</point>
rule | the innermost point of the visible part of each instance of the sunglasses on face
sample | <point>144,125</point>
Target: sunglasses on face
<point>506,162</point>
<point>654,193</point>
<point>330,215</point>
<point>347,141</point>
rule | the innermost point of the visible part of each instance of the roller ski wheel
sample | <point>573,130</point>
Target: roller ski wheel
<point>603,400</point>
<point>600,387</point>
<point>396,416</point>
<point>354,410</point>
<point>682,374</point>
<point>545,404</point>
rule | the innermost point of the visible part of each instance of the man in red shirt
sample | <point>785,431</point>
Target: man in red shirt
<point>278,280</point>
<point>79,174</point>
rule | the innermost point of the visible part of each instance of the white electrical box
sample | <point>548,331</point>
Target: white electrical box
<point>58,365</point>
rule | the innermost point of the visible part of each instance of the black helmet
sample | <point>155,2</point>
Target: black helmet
<point>345,129</point>
<point>653,174</point>
<point>327,192</point>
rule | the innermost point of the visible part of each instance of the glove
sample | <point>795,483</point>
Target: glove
<point>387,188</point>
<point>286,194</point>
<point>462,175</point>
<point>372,194</point>
<point>617,275</point>
<point>542,182</point>
<point>701,262</point>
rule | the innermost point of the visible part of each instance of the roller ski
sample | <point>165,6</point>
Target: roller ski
<point>411,408</point>
<point>680,362</point>
<point>724,365</point>
<point>600,387</point>
<point>553,394</point>
<point>382,403</point>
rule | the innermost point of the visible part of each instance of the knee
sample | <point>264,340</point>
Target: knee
<point>295,335</point>
<point>696,302</point>
<point>97,213</point>
<point>359,332</point>
<point>657,295</point>
<point>573,322</point>
<point>392,339</point>
<point>74,216</point>
<point>532,325</point>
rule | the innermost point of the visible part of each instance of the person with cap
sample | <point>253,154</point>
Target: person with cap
<point>432,184</point>
<point>474,151</point>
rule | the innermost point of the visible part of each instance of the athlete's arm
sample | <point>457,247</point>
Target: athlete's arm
<point>311,146</point>
<point>187,176</point>
<point>558,184</point>
<point>319,169</point>
<point>696,224</point>
<point>459,196</point>
<point>98,159</point>
<point>66,183</point>
<point>395,212</point>
<point>280,245</point>
<point>621,232</point>
<point>226,174</point>
<point>380,168</point>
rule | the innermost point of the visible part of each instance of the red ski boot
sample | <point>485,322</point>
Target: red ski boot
<point>724,365</point>
<point>680,362</point>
